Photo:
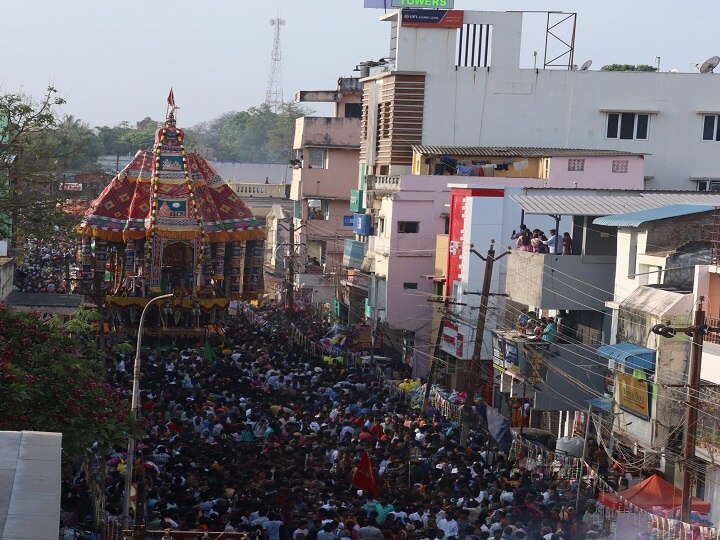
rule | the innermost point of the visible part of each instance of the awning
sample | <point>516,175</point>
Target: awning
<point>629,355</point>
<point>603,403</point>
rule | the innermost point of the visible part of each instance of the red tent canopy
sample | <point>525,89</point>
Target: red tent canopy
<point>656,492</point>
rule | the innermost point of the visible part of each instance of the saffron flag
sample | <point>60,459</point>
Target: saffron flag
<point>364,478</point>
<point>171,99</point>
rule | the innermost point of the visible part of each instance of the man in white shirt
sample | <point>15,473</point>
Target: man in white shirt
<point>448,525</point>
<point>553,241</point>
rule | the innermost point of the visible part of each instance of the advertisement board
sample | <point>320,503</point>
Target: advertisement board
<point>432,18</point>
<point>426,4</point>
<point>633,395</point>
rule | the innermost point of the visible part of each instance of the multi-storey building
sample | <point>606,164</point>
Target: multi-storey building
<point>324,171</point>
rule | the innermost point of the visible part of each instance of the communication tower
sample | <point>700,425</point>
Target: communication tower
<point>274,94</point>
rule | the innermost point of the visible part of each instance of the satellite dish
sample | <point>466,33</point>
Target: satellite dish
<point>710,64</point>
<point>586,65</point>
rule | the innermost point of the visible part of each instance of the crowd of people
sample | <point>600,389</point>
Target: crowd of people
<point>265,437</point>
<point>558,329</point>
<point>44,268</point>
<point>536,241</point>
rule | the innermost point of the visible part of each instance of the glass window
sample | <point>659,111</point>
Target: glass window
<point>407,285</point>
<point>627,126</point>
<point>408,227</point>
<point>318,158</point>
<point>710,128</point>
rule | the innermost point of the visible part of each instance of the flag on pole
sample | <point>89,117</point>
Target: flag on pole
<point>363,478</point>
<point>171,99</point>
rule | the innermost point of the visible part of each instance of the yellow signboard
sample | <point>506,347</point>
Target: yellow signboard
<point>633,395</point>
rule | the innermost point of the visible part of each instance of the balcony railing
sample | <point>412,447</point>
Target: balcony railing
<point>262,191</point>
<point>383,184</point>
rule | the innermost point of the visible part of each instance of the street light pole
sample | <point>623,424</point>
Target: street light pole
<point>134,409</point>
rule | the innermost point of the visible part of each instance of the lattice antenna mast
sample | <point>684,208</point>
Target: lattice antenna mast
<point>274,94</point>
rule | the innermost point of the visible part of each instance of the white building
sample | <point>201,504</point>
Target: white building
<point>432,93</point>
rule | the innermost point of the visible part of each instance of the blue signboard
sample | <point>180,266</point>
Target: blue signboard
<point>347,221</point>
<point>361,224</point>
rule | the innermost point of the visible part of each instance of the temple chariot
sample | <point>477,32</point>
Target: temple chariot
<point>167,223</point>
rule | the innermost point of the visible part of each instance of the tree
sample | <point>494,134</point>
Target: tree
<point>257,135</point>
<point>36,145</point>
<point>46,386</point>
<point>113,142</point>
<point>628,67</point>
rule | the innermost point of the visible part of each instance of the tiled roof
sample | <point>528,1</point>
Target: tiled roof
<point>517,151</point>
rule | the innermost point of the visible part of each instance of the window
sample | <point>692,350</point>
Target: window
<point>408,285</point>
<point>318,209</point>
<point>318,158</point>
<point>381,225</point>
<point>408,227</point>
<point>627,126</point>
<point>708,185</point>
<point>576,164</point>
<point>620,166</point>
<point>353,110</point>
<point>711,127</point>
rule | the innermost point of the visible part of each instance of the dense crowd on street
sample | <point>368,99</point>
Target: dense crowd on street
<point>264,438</point>
<point>45,266</point>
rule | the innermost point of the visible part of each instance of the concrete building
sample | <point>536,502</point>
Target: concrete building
<point>707,481</point>
<point>435,90</point>
<point>324,172</point>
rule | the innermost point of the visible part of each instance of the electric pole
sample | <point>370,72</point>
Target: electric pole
<point>698,331</point>
<point>476,362</point>
<point>436,354</point>
<point>290,290</point>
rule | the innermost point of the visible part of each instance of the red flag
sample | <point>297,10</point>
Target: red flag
<point>171,99</point>
<point>364,478</point>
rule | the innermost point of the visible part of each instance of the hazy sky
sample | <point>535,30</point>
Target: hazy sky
<point>115,60</point>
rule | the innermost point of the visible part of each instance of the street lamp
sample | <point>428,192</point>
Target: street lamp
<point>134,409</point>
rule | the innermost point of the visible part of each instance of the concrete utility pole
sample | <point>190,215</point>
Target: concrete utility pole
<point>698,331</point>
<point>290,291</point>
<point>476,362</point>
<point>436,354</point>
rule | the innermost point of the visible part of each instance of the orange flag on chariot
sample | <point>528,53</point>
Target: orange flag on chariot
<point>363,478</point>
<point>171,98</point>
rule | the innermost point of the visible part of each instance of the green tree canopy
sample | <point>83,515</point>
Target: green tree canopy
<point>257,135</point>
<point>35,146</point>
<point>47,384</point>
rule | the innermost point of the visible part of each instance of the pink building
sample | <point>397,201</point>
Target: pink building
<point>324,171</point>
<point>408,211</point>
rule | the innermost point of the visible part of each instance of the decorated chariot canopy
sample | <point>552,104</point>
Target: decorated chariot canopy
<point>170,193</point>
<point>169,223</point>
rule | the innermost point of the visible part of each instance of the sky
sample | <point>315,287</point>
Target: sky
<point>115,60</point>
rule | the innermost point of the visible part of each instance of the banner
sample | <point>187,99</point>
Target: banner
<point>633,395</point>
<point>364,478</point>
<point>432,18</point>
